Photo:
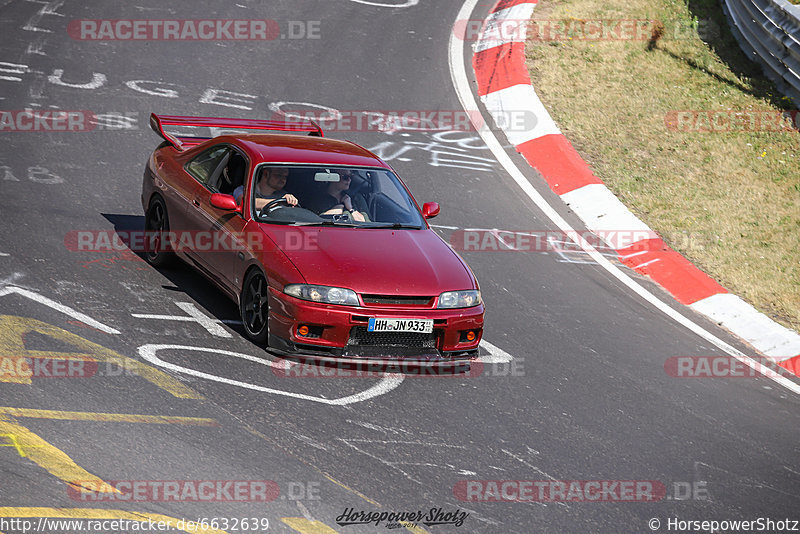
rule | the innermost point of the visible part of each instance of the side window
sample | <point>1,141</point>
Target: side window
<point>203,166</point>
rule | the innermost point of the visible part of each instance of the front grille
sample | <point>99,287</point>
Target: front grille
<point>360,336</point>
<point>397,300</point>
<point>391,345</point>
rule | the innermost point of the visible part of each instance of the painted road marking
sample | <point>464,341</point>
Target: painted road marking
<point>12,68</point>
<point>43,355</point>
<point>496,354</point>
<point>36,297</point>
<point>348,488</point>
<point>13,442</point>
<point>564,248</point>
<point>531,466</point>
<point>107,417</point>
<point>213,326</point>
<point>394,463</point>
<point>52,459</point>
<point>463,89</point>
<point>441,155</point>
<point>327,476</point>
<point>97,513</point>
<point>20,369</point>
<point>385,385</point>
<point>49,8</point>
<point>316,468</point>
<point>645,264</point>
<point>148,353</point>
<point>15,370</point>
<point>14,276</point>
<point>12,334</point>
<point>98,80</point>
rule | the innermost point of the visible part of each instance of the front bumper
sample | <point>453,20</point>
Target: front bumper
<point>338,333</point>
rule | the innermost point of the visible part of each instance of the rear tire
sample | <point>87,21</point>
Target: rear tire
<point>254,307</point>
<point>156,224</point>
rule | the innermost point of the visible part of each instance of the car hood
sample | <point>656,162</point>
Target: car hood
<point>373,261</point>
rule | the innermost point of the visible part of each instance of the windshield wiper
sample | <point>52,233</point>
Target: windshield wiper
<point>393,226</point>
<point>328,222</point>
<point>303,223</point>
<point>284,223</point>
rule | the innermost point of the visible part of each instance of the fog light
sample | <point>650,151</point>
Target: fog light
<point>468,336</point>
<point>303,331</point>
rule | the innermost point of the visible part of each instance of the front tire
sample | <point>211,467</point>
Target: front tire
<point>254,307</point>
<point>156,224</point>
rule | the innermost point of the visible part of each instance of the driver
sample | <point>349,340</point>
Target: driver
<point>269,187</point>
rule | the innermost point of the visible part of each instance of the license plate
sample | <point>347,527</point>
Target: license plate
<point>422,326</point>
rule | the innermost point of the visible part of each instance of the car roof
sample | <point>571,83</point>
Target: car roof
<point>284,148</point>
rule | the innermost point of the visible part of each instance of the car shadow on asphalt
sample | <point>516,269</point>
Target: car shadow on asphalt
<point>184,278</point>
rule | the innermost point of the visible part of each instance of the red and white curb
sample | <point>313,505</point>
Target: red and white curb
<point>505,88</point>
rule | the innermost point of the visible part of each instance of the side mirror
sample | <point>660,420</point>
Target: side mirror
<point>224,202</point>
<point>430,210</point>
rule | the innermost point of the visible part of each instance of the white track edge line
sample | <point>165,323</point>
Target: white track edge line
<point>467,99</point>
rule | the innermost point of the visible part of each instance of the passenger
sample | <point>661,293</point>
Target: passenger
<point>232,174</point>
<point>334,200</point>
<point>269,187</point>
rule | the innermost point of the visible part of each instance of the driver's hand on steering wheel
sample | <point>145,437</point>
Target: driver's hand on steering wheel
<point>291,199</point>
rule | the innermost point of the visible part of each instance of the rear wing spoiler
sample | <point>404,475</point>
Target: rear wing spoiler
<point>157,123</point>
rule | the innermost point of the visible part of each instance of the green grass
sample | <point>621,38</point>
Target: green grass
<point>727,200</point>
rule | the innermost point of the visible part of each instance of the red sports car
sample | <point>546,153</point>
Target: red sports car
<point>318,241</point>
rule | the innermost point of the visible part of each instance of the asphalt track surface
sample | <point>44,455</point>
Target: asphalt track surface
<point>587,396</point>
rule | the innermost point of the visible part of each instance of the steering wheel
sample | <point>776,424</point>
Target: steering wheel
<point>269,206</point>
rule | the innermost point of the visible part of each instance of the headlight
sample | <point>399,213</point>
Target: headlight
<point>329,295</point>
<point>459,299</point>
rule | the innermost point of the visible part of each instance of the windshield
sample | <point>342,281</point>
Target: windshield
<point>341,196</point>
